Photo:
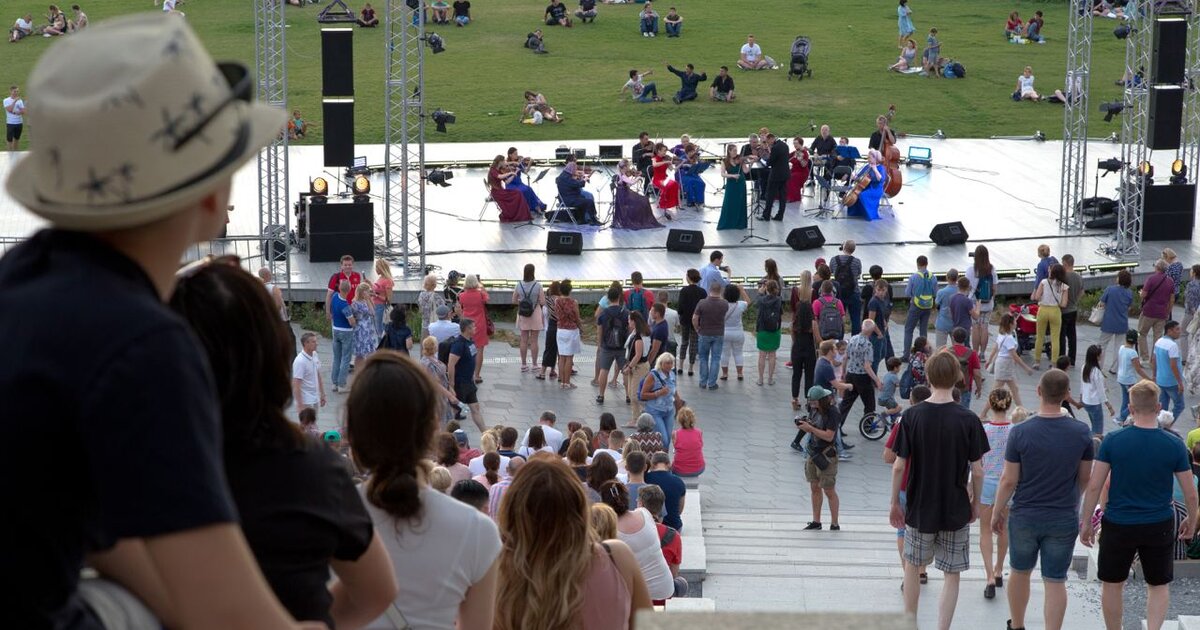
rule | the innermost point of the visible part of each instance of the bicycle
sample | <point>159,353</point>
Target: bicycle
<point>873,427</point>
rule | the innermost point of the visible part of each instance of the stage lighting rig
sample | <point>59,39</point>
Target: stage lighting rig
<point>442,118</point>
<point>361,188</point>
<point>435,42</point>
<point>1111,109</point>
<point>318,190</point>
<point>439,177</point>
<point>1123,31</point>
<point>1178,172</point>
<point>1111,165</point>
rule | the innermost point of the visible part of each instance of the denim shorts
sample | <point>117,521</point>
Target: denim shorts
<point>988,496</point>
<point>1051,538</point>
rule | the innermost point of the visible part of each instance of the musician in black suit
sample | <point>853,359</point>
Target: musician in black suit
<point>642,156</point>
<point>778,178</point>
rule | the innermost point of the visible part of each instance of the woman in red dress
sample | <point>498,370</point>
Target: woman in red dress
<point>513,206</point>
<point>473,300</point>
<point>668,189</point>
<point>801,166</point>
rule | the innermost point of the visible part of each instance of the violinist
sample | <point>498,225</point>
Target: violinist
<point>642,156</point>
<point>801,166</point>
<point>631,211</point>
<point>571,182</point>
<point>513,206</point>
<point>520,166</point>
<point>668,188</point>
<point>864,200</point>
<point>680,150</point>
<point>883,134</point>
<point>690,181</point>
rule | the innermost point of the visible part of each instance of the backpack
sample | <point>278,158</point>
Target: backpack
<point>642,383</point>
<point>637,301</point>
<point>770,312</point>
<point>923,292</point>
<point>444,349</point>
<point>983,289</point>
<point>829,322</point>
<point>957,69</point>
<point>616,328</point>
<point>906,381</point>
<point>525,306</point>
<point>393,339</point>
<point>844,276</point>
<point>964,366</point>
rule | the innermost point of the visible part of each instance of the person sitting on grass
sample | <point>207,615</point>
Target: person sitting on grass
<point>1025,91</point>
<point>534,42</point>
<point>722,86</point>
<point>673,23</point>
<point>538,110</point>
<point>556,14</point>
<point>297,128</point>
<point>81,19</point>
<point>908,54</point>
<point>752,57</point>
<point>1033,29</point>
<point>587,11</point>
<point>57,22</point>
<point>21,29</point>
<point>1014,27</point>
<point>367,17</point>
<point>440,11</point>
<point>462,12</point>
<point>688,80</point>
<point>649,21</point>
<point>641,92</point>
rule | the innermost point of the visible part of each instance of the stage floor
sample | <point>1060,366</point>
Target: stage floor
<point>1005,192</point>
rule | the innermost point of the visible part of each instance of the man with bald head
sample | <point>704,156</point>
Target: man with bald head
<point>859,372</point>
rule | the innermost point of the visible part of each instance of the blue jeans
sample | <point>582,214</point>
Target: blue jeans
<point>664,423</point>
<point>1124,402</point>
<point>853,304</point>
<point>343,349</point>
<point>1171,394</point>
<point>709,350</point>
<point>673,29</point>
<point>965,399</point>
<point>379,309</point>
<point>882,349</point>
<point>649,25</point>
<point>1051,537</point>
<point>462,20</point>
<point>918,319</point>
<point>649,92</point>
<point>1096,415</point>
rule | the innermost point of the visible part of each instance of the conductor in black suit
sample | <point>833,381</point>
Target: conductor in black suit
<point>778,179</point>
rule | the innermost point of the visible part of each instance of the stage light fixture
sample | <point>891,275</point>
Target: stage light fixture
<point>1111,109</point>
<point>1178,173</point>
<point>1146,169</point>
<point>362,185</point>
<point>439,177</point>
<point>318,186</point>
<point>435,42</point>
<point>1123,31</point>
<point>1111,165</point>
<point>442,118</point>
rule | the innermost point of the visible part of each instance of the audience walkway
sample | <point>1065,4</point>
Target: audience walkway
<point>755,500</point>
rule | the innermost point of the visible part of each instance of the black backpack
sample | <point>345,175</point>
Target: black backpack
<point>444,349</point>
<point>770,312</point>
<point>525,306</point>
<point>844,276</point>
<point>616,328</point>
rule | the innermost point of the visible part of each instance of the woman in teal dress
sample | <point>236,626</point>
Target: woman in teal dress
<point>733,208</point>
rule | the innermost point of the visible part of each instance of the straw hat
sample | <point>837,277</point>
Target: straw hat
<point>134,122</point>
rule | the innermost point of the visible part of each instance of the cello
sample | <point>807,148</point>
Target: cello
<point>891,163</point>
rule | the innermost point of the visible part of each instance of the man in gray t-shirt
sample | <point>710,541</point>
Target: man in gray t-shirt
<point>709,322</point>
<point>1070,312</point>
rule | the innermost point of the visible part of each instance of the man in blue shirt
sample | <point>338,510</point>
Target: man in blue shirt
<point>944,322</point>
<point>1164,363</point>
<point>688,80</point>
<point>460,370</point>
<point>660,331</point>
<point>712,272</point>
<point>660,475</point>
<point>920,291</point>
<point>1144,461</point>
<point>343,335</point>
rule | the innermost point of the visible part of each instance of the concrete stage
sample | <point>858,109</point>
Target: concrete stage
<point>1005,192</point>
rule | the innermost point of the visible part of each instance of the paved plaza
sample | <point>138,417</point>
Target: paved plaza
<point>755,499</point>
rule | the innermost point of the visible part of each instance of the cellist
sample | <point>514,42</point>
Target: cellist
<point>863,200</point>
<point>884,140</point>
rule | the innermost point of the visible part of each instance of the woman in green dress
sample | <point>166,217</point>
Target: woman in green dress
<point>733,208</point>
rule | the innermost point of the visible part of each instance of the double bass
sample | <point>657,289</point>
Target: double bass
<point>891,163</point>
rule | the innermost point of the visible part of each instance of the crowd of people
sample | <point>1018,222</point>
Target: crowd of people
<point>57,23</point>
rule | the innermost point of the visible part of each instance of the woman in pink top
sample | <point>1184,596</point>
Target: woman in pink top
<point>689,445</point>
<point>381,291</point>
<point>553,574</point>
<point>473,301</point>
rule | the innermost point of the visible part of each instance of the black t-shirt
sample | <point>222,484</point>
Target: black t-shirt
<point>940,440</point>
<point>689,297</point>
<point>802,323</point>
<point>823,146</point>
<point>124,407</point>
<point>299,509</point>
<point>723,83</point>
<point>557,11</point>
<point>464,370</point>
<point>587,5</point>
<point>462,8</point>
<point>829,420</point>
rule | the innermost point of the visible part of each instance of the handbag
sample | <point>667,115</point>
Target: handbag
<point>491,325</point>
<point>1097,314</point>
<point>820,460</point>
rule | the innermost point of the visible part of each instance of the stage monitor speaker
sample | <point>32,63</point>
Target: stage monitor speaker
<point>339,131</point>
<point>610,152</point>
<point>807,237</point>
<point>949,233</point>
<point>690,241</point>
<point>570,243</point>
<point>1170,42</point>
<point>337,62</point>
<point>1166,117</point>
<point>337,229</point>
<point>1169,212</point>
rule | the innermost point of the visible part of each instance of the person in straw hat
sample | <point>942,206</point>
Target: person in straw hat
<point>132,165</point>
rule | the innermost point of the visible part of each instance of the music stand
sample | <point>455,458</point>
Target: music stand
<point>755,175</point>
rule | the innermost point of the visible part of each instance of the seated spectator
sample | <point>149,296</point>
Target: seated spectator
<point>651,498</point>
<point>297,506</point>
<point>615,444</point>
<point>1025,91</point>
<point>81,19</point>
<point>21,29</point>
<point>660,475</point>
<point>491,471</point>
<point>367,17</point>
<point>554,437</point>
<point>472,493</point>
<point>647,436</point>
<point>1033,29</point>
<point>603,520</point>
<point>56,22</point>
<point>496,492</point>
<point>908,54</point>
<point>556,14</point>
<point>689,445</point>
<point>641,92</point>
<point>440,11</point>
<point>538,110</point>
<point>297,128</point>
<point>688,80</point>
<point>608,424</point>
<point>391,416</point>
<point>577,458</point>
<point>587,11</point>
<point>447,457</point>
<point>508,442</point>
<point>636,463</point>
<point>489,444</point>
<point>722,86</point>
<point>673,23</point>
<point>1014,27</point>
<point>536,442</point>
<point>752,57</point>
<point>462,12</point>
<point>636,528</point>
<point>603,470</point>
<point>440,480</point>
<point>553,572</point>
<point>534,42</point>
<point>648,20</point>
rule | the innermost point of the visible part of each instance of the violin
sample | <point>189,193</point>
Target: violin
<point>891,163</point>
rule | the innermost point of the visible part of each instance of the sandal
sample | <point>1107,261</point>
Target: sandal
<point>478,380</point>
<point>999,581</point>
<point>771,382</point>
<point>599,400</point>
<point>924,578</point>
<point>759,382</point>
<point>524,369</point>
<point>740,377</point>
<point>540,377</point>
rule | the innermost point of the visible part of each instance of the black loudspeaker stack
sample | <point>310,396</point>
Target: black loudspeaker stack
<point>337,88</point>
<point>1165,126</point>
<point>570,243</point>
<point>337,229</point>
<point>807,237</point>
<point>949,234</point>
<point>1167,61</point>
<point>1169,212</point>
<point>690,241</point>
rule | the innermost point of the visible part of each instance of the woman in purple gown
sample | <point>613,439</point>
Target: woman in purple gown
<point>631,211</point>
<point>513,206</point>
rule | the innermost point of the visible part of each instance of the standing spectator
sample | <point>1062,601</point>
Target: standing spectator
<point>1005,358</point>
<point>847,269</point>
<point>14,111</point>
<point>905,24</point>
<point>396,334</point>
<point>450,294</point>
<point>822,423</point>
<point>647,437</point>
<point>660,475</point>
<point>963,311</point>
<point>1157,295</point>
<point>566,311</point>
<point>473,300</point>
<point>944,323</point>
<point>996,426</point>
<point>708,319</point>
<point>945,443</point>
<point>983,279</point>
<point>879,310</point>
<point>382,290</point>
<point>390,417</point>
<point>920,291</point>
<point>768,329</point>
<point>860,375</point>
<point>428,302</point>
<point>1175,273</point>
<point>1116,300</point>
<point>661,339</point>
<point>689,446</point>
<point>1047,464</point>
<point>712,272</point>
<point>308,389</point>
<point>637,360</point>
<point>366,339</point>
<point>1051,296</point>
<point>1191,302</point>
<point>1129,371</point>
<point>550,354</point>
<point>1165,364</point>
<point>1144,462</point>
<point>612,323</point>
<point>830,314</point>
<point>805,338</point>
<point>1093,393</point>
<point>528,297</point>
<point>553,574</point>
<point>1070,311</point>
<point>1045,260</point>
<point>461,367</point>
<point>462,12</point>
<point>437,371</point>
<point>442,328</point>
<point>658,391</point>
<point>638,298</point>
<point>733,334</point>
<point>636,528</point>
<point>346,273</point>
<point>342,323</point>
<point>970,367</point>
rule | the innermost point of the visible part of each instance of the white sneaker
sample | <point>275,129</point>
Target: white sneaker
<point>651,34</point>
<point>645,34</point>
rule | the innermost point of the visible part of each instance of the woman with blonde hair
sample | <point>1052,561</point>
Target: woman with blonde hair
<point>366,336</point>
<point>437,371</point>
<point>660,398</point>
<point>554,571</point>
<point>604,521</point>
<point>428,301</point>
<point>440,479</point>
<point>689,446</point>
<point>528,297</point>
<point>382,288</point>
<point>474,300</point>
<point>996,426</point>
<point>1051,295</point>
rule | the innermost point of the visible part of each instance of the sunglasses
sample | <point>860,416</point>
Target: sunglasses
<point>194,267</point>
<point>240,89</point>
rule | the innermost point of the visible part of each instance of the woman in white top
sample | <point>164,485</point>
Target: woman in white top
<point>443,551</point>
<point>1025,85</point>
<point>535,441</point>
<point>530,291</point>
<point>1005,357</point>
<point>735,333</point>
<point>637,355</point>
<point>488,444</point>
<point>983,279</point>
<point>1092,392</point>
<point>636,528</point>
<point>1051,297</point>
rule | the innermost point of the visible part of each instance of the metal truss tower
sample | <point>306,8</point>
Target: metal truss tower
<point>1075,116</point>
<point>404,135</point>
<point>1134,120</point>
<point>1190,142</point>
<point>274,220</point>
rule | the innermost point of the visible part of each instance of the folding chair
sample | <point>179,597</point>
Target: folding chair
<point>555,215</point>
<point>487,200</point>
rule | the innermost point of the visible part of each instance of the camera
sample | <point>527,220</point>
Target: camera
<point>799,419</point>
<point>724,268</point>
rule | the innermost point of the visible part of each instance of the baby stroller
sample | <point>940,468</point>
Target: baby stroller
<point>799,66</point>
<point>1025,320</point>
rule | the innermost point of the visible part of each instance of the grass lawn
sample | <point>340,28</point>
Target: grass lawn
<point>484,70</point>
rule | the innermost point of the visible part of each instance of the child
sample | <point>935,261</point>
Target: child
<point>396,333</point>
<point>1004,356</point>
<point>887,393</point>
<point>1018,415</point>
<point>839,359</point>
<point>1064,363</point>
<point>440,479</point>
<point>308,421</point>
<point>931,55</point>
<point>1092,392</point>
<point>1129,371</point>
